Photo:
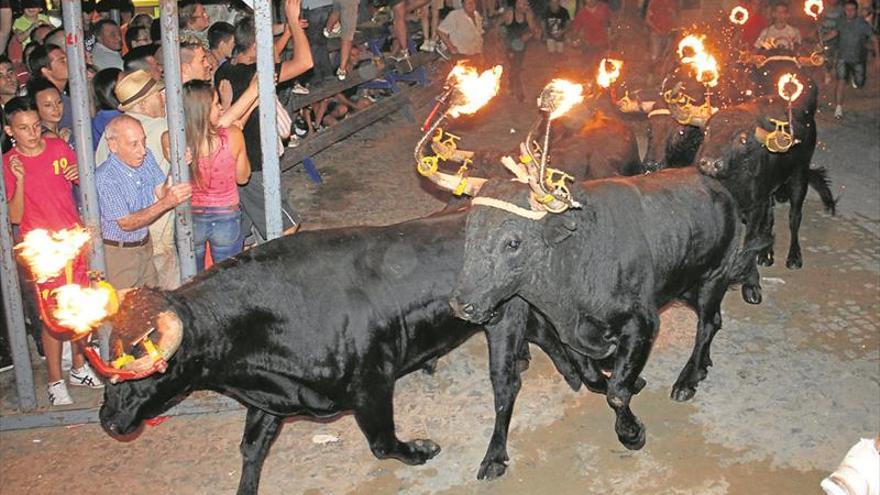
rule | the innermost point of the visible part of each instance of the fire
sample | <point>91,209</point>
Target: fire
<point>559,96</point>
<point>474,89</point>
<point>739,15</point>
<point>814,8</point>
<point>706,68</point>
<point>48,253</point>
<point>690,46</point>
<point>789,87</point>
<point>606,77</point>
<point>82,308</point>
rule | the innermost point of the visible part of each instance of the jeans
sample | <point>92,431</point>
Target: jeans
<point>221,228</point>
<point>317,18</point>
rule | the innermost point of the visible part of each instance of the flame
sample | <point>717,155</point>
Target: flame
<point>706,68</point>
<point>82,308</point>
<point>474,89</point>
<point>814,8</point>
<point>690,43</point>
<point>739,15</point>
<point>789,87</point>
<point>606,77</point>
<point>559,96</point>
<point>48,253</point>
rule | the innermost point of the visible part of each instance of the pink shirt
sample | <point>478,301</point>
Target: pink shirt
<point>216,185</point>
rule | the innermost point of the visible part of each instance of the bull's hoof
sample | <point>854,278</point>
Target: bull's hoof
<point>490,470</point>
<point>765,258</point>
<point>639,385</point>
<point>634,440</point>
<point>416,452</point>
<point>430,366</point>
<point>682,392</point>
<point>751,294</point>
<point>794,262</point>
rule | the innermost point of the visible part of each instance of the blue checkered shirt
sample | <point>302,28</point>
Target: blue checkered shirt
<point>123,190</point>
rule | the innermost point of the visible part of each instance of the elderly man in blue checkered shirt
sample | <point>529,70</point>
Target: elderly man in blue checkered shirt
<point>132,193</point>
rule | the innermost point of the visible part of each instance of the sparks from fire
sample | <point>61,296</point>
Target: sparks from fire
<point>789,87</point>
<point>473,89</point>
<point>48,253</point>
<point>609,71</point>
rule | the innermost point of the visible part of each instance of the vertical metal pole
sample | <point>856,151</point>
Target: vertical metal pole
<point>80,102</point>
<point>268,119</point>
<point>177,132</point>
<point>14,312</point>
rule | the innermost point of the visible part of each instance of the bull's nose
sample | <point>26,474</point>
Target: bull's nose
<point>711,166</point>
<point>461,310</point>
<point>652,166</point>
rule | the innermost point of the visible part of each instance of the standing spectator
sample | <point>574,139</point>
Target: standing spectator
<point>519,26</point>
<point>50,108</point>
<point>39,173</point>
<point>853,35</point>
<point>239,76</point>
<point>556,20</point>
<point>348,11</point>
<point>780,34</point>
<point>5,25</point>
<point>56,37</point>
<point>50,62</point>
<point>132,194</point>
<point>221,42</point>
<point>144,58</point>
<point>661,18</point>
<point>589,30</point>
<point>316,13</point>
<point>31,18</point>
<point>399,10</point>
<point>194,21</point>
<point>753,26</point>
<point>219,165</point>
<point>103,86</point>
<point>462,30</point>
<point>108,44</point>
<point>828,32</point>
<point>142,97</point>
<point>194,61</point>
<point>8,91</point>
<point>430,19</point>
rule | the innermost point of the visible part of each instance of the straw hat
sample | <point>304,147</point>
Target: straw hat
<point>136,87</point>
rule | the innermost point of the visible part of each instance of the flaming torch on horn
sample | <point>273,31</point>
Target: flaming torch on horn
<point>739,15</point>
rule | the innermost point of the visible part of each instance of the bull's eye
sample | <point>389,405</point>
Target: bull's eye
<point>743,139</point>
<point>513,244</point>
<point>681,132</point>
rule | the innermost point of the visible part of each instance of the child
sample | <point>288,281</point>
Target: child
<point>780,34</point>
<point>853,35</point>
<point>555,21</point>
<point>31,18</point>
<point>39,173</point>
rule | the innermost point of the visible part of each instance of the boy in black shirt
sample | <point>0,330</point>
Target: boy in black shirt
<point>556,20</point>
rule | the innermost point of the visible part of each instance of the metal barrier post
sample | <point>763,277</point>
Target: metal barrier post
<point>14,312</point>
<point>268,129</point>
<point>177,133</point>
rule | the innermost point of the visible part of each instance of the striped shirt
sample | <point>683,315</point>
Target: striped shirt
<point>123,190</point>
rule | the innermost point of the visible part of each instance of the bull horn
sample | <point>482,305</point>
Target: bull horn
<point>457,184</point>
<point>451,154</point>
<point>761,134</point>
<point>170,330</point>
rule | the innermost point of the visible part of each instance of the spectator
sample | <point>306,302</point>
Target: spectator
<point>107,106</point>
<point>56,37</point>
<point>48,100</point>
<point>39,33</point>
<point>756,23</point>
<point>316,13</point>
<point>219,164</point>
<point>221,41</point>
<point>194,21</point>
<point>136,36</point>
<point>194,61</point>
<point>239,76</point>
<point>5,25</point>
<point>133,193</point>
<point>347,13</point>
<point>39,173</point>
<point>142,97</point>
<point>108,44</point>
<point>8,91</point>
<point>590,30</point>
<point>143,58</point>
<point>50,62</point>
<point>462,30</point>
<point>556,20</point>
<point>430,19</point>
<point>399,10</point>
<point>519,26</point>
<point>780,34</point>
<point>661,18</point>
<point>828,32</point>
<point>31,18</point>
<point>853,35</point>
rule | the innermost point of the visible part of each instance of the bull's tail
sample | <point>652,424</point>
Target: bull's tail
<point>819,181</point>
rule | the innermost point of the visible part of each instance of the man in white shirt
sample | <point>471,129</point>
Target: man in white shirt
<point>780,34</point>
<point>105,54</point>
<point>462,30</point>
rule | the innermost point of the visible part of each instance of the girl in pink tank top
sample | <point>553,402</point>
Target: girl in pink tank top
<point>218,167</point>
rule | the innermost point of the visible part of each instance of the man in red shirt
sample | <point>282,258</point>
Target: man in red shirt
<point>590,28</point>
<point>39,172</point>
<point>661,18</point>
<point>754,25</point>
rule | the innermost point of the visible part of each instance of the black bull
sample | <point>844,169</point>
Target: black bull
<point>600,274</point>
<point>325,322</point>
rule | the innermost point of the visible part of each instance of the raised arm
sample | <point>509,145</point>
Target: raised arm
<point>302,54</point>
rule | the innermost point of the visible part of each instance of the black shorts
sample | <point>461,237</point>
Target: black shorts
<point>851,71</point>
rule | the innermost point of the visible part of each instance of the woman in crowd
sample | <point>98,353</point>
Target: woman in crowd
<point>103,87</point>
<point>519,26</point>
<point>219,164</point>
<point>49,106</point>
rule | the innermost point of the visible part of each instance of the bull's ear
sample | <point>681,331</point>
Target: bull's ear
<point>558,228</point>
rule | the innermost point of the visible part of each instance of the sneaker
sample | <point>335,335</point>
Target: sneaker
<point>335,32</point>
<point>340,74</point>
<point>299,89</point>
<point>427,46</point>
<point>58,394</point>
<point>294,142</point>
<point>854,85</point>
<point>440,49</point>
<point>838,112</point>
<point>85,377</point>
<point>400,56</point>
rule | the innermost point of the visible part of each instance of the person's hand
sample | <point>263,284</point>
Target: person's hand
<point>225,90</point>
<point>64,134</point>
<point>292,9</point>
<point>71,173</point>
<point>177,193</point>
<point>188,155</point>
<point>17,168</point>
<point>303,23</point>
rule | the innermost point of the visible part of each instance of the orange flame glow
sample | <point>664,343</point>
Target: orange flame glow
<point>609,71</point>
<point>739,15</point>
<point>81,309</point>
<point>474,90</point>
<point>48,253</point>
<point>789,87</point>
<point>693,52</point>
<point>814,8</point>
<point>559,96</point>
<point>690,46</point>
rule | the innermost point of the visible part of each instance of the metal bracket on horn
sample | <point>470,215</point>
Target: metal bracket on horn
<point>683,110</point>
<point>779,140</point>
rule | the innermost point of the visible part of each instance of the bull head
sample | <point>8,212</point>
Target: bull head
<point>684,111</point>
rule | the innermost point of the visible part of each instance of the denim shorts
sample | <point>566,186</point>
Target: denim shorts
<point>219,228</point>
<point>851,71</point>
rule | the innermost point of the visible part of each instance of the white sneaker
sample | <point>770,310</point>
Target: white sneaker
<point>58,395</point>
<point>838,112</point>
<point>85,377</point>
<point>341,74</point>
<point>427,46</point>
<point>299,89</point>
<point>854,85</point>
<point>336,32</point>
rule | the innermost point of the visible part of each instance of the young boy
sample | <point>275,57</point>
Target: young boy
<point>39,173</point>
<point>780,34</point>
<point>32,17</point>
<point>853,35</point>
<point>555,21</point>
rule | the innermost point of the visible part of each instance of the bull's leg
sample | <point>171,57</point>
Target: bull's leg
<point>759,235</point>
<point>374,412</point>
<point>708,306</point>
<point>798,193</point>
<point>765,256</point>
<point>260,429</point>
<point>636,337</point>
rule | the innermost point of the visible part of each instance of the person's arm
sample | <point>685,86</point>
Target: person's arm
<point>5,28</point>
<point>759,43</point>
<point>16,202</point>
<point>168,196</point>
<point>442,32</point>
<point>239,151</point>
<point>534,26</point>
<point>239,110</point>
<point>302,54</point>
<point>281,42</point>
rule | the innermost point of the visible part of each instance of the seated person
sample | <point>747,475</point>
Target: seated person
<point>462,30</point>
